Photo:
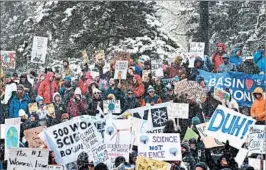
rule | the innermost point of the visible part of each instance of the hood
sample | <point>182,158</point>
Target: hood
<point>259,90</point>
<point>138,78</point>
<point>48,76</point>
<point>199,59</point>
<point>221,45</point>
<point>235,50</point>
<point>55,94</point>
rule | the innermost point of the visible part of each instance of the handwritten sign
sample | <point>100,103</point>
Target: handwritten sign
<point>160,146</point>
<point>257,139</point>
<point>256,163</point>
<point>226,124</point>
<point>8,59</point>
<point>221,95</point>
<point>100,154</point>
<point>196,50</point>
<point>39,49</point>
<point>156,67</point>
<point>55,167</point>
<point>31,135</point>
<point>27,158</point>
<point>149,164</point>
<point>178,110</point>
<point>111,106</point>
<point>12,134</point>
<point>71,138</point>
<point>121,69</point>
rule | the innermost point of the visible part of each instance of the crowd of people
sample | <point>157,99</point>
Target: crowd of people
<point>73,96</point>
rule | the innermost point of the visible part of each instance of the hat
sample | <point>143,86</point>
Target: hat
<point>23,75</point>
<point>20,86</point>
<point>77,91</point>
<point>201,165</point>
<point>129,91</point>
<point>186,146</point>
<point>150,89</point>
<point>192,141</point>
<point>22,113</point>
<point>195,120</point>
<point>200,79</point>
<point>176,78</point>
<point>8,75</point>
<point>111,97</point>
<point>96,90</point>
<point>141,60</point>
<point>67,78</point>
<point>226,56</point>
<point>38,98</point>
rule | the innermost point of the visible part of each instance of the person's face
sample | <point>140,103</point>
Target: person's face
<point>32,118</point>
<point>130,94</point>
<point>42,78</point>
<point>226,60</point>
<point>192,145</point>
<point>111,82</point>
<point>57,98</point>
<point>19,91</point>
<point>198,64</point>
<point>130,71</point>
<point>224,162</point>
<point>23,79</point>
<point>199,168</point>
<point>151,93</point>
<point>220,49</point>
<point>96,95</point>
<point>238,53</point>
<point>40,102</point>
<point>7,80</point>
<point>131,61</point>
<point>170,92</point>
<point>258,95</point>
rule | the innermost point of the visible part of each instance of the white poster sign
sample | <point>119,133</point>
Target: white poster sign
<point>196,50</point>
<point>111,106</point>
<point>12,134</point>
<point>39,49</point>
<point>121,69</point>
<point>160,146</point>
<point>178,110</point>
<point>257,139</point>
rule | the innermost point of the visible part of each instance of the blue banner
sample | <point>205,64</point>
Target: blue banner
<point>241,85</point>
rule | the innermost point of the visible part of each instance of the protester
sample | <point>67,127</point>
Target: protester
<point>227,65</point>
<point>248,66</point>
<point>152,98</point>
<point>236,57</point>
<point>217,56</point>
<point>258,107</point>
<point>187,157</point>
<point>47,88</point>
<point>259,58</point>
<point>198,65</point>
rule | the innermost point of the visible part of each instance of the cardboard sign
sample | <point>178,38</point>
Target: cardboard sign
<point>8,59</point>
<point>178,110</point>
<point>256,163</point>
<point>33,107</point>
<point>12,134</point>
<point>190,134</point>
<point>160,146</point>
<point>121,69</point>
<point>192,89</point>
<point>27,158</point>
<point>196,50</point>
<point>71,138</point>
<point>31,135</point>
<point>111,106</point>
<point>39,50</point>
<point>221,95</point>
<point>145,74</point>
<point>117,138</point>
<point>226,124</point>
<point>208,141</point>
<point>257,139</point>
<point>149,164</point>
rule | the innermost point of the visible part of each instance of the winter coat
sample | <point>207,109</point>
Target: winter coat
<point>217,59</point>
<point>258,106</point>
<point>155,99</point>
<point>119,94</point>
<point>138,70</point>
<point>131,103</point>
<point>47,89</point>
<point>76,108</point>
<point>138,89</point>
<point>175,70</point>
<point>159,89</point>
<point>58,107</point>
<point>92,106</point>
<point>17,104</point>
<point>188,159</point>
<point>83,87</point>
<point>259,59</point>
<point>248,68</point>
<point>234,59</point>
<point>68,94</point>
<point>194,71</point>
<point>209,106</point>
<point>226,68</point>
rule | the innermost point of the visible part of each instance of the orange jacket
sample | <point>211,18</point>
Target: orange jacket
<point>258,107</point>
<point>47,88</point>
<point>139,89</point>
<point>83,86</point>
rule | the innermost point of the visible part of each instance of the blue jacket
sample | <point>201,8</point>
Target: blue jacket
<point>138,70</point>
<point>119,94</point>
<point>260,61</point>
<point>17,104</point>
<point>236,60</point>
<point>226,68</point>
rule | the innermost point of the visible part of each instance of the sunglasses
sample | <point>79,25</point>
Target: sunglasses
<point>130,93</point>
<point>97,93</point>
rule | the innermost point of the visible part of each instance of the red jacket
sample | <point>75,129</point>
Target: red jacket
<point>83,86</point>
<point>217,59</point>
<point>139,88</point>
<point>76,108</point>
<point>47,89</point>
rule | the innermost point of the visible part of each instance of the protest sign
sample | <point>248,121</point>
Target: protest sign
<point>140,112</point>
<point>111,106</point>
<point>159,115</point>
<point>106,68</point>
<point>71,138</point>
<point>55,167</point>
<point>27,158</point>
<point>160,146</point>
<point>178,110</point>
<point>100,154</point>
<point>190,134</point>
<point>2,131</point>
<point>221,95</point>
<point>156,64</point>
<point>121,69</point>
<point>226,124</point>
<point>208,141</point>
<point>31,135</point>
<point>145,74</point>
<point>33,107</point>
<point>192,89</point>
<point>39,50</point>
<point>117,138</point>
<point>241,85</point>
<point>50,109</point>
<point>8,59</point>
<point>241,155</point>
<point>12,134</point>
<point>196,50</point>
<point>257,139</point>
<point>256,163</point>
<point>149,164</point>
